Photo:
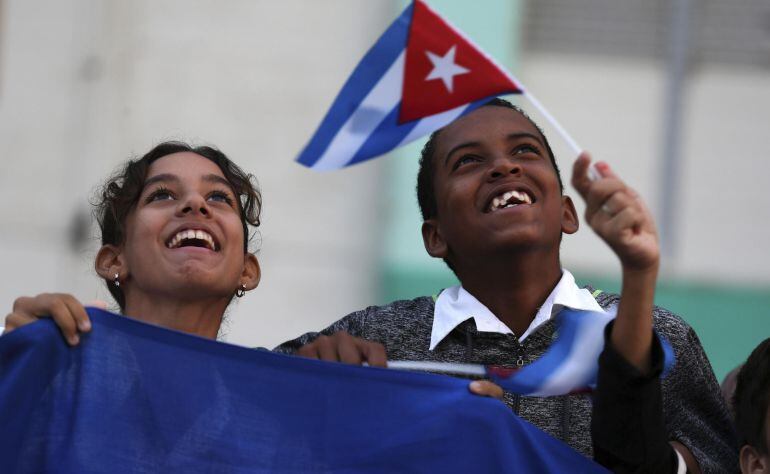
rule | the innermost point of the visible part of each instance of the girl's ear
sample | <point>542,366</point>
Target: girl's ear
<point>251,272</point>
<point>109,261</point>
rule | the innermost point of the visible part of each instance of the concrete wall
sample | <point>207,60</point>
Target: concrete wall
<point>85,84</point>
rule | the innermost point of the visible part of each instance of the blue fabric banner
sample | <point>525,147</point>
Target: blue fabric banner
<point>142,399</point>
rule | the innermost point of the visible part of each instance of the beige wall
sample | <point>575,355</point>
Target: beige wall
<point>614,108</point>
<point>86,84</point>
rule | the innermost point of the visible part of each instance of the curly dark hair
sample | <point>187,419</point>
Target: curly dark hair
<point>120,193</point>
<point>751,398</point>
<point>426,195</point>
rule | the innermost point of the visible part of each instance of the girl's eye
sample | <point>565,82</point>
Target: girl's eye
<point>160,194</point>
<point>221,196</point>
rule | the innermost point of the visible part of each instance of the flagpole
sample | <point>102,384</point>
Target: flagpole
<point>593,174</point>
<point>562,131</point>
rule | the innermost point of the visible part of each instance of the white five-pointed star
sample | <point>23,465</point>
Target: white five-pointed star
<point>445,68</point>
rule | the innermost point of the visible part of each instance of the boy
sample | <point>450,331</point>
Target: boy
<point>751,402</point>
<point>493,208</point>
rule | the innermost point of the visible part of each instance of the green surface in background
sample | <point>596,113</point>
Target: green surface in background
<point>730,321</point>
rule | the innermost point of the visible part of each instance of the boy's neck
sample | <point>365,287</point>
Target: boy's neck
<point>513,289</point>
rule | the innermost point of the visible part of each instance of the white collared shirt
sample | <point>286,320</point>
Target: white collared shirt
<point>455,305</point>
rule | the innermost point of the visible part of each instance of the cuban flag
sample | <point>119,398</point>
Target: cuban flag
<point>420,75</point>
<point>570,365</point>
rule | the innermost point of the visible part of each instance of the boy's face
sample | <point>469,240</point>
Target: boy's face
<point>496,189</point>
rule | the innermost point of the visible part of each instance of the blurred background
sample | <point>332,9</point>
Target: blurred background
<point>674,94</point>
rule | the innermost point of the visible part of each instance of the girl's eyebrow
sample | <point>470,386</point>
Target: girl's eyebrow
<point>160,178</point>
<point>166,177</point>
<point>215,178</point>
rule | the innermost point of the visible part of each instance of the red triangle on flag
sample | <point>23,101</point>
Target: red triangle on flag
<point>443,70</point>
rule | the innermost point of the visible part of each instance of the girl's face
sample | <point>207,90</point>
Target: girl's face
<point>184,238</point>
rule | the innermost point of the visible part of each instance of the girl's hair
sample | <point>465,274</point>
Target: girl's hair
<point>120,193</point>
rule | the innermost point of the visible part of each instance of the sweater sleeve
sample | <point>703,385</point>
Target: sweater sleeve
<point>353,324</point>
<point>695,412</point>
<point>627,427</point>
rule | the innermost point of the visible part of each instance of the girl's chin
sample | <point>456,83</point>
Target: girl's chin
<point>192,288</point>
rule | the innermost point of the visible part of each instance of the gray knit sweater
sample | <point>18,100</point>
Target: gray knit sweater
<point>694,411</point>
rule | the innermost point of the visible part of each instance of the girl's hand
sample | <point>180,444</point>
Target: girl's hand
<point>68,313</point>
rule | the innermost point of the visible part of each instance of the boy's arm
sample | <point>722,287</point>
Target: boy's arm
<point>619,216</point>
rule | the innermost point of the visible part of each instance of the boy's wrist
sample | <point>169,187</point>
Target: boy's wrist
<point>641,273</point>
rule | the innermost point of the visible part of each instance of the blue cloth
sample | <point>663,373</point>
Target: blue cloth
<point>138,398</point>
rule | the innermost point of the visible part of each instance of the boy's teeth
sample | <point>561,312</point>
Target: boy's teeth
<point>502,201</point>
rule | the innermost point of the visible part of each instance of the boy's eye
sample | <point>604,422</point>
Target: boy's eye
<point>464,160</point>
<point>526,148</point>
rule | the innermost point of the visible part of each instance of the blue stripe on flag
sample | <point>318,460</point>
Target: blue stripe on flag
<point>372,67</point>
<point>390,134</point>
<point>531,378</point>
<point>384,138</point>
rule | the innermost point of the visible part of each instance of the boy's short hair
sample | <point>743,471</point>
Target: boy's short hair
<point>426,194</point>
<point>750,401</point>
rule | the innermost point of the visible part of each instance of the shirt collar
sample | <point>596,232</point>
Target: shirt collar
<point>455,305</point>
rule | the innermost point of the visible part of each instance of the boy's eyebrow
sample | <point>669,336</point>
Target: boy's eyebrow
<point>511,136</point>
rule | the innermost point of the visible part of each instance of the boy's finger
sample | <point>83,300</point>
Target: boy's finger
<point>600,193</point>
<point>580,179</point>
<point>348,351</point>
<point>604,169</point>
<point>485,388</point>
<point>375,353</point>
<point>326,349</point>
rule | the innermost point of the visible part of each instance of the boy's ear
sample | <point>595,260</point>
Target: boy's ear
<point>752,462</point>
<point>434,242</point>
<point>569,216</point>
<point>251,272</point>
<point>109,261</point>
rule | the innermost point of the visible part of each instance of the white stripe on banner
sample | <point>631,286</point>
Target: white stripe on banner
<point>581,360</point>
<point>432,123</point>
<point>367,117</point>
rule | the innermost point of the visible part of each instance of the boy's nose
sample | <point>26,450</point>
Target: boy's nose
<point>504,166</point>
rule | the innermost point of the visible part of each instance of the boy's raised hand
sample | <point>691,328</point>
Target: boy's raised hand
<point>618,215</point>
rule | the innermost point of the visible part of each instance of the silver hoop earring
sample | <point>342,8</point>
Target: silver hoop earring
<point>116,280</point>
<point>240,291</point>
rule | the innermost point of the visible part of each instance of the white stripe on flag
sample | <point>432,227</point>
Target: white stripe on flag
<point>432,123</point>
<point>581,360</point>
<point>369,114</point>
